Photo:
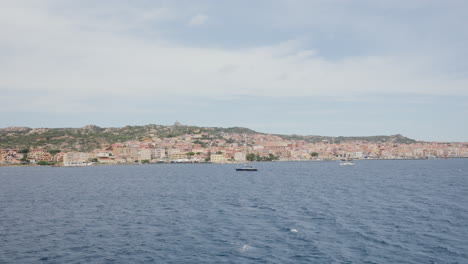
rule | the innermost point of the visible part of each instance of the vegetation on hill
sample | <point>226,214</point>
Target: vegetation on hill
<point>398,139</point>
<point>93,137</point>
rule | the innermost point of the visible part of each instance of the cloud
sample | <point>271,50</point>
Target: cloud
<point>75,60</point>
<point>198,20</point>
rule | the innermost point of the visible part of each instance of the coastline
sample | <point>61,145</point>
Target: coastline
<point>175,163</point>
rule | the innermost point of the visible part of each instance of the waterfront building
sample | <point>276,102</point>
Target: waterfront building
<point>239,156</point>
<point>100,153</point>
<point>39,154</point>
<point>131,154</point>
<point>144,154</point>
<point>218,158</point>
<point>176,154</point>
<point>75,159</point>
<point>106,160</point>
<point>158,153</point>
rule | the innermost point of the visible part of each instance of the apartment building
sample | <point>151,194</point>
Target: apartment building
<point>144,154</point>
<point>75,159</point>
<point>158,153</point>
<point>218,158</point>
<point>239,156</point>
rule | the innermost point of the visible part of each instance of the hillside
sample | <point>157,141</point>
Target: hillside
<point>92,137</point>
<point>316,139</point>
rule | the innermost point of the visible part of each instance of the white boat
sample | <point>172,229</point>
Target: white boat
<point>347,162</point>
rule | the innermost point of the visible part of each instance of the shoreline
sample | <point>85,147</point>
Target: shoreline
<point>175,163</point>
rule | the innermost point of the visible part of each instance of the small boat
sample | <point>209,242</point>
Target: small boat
<point>347,162</point>
<point>247,168</point>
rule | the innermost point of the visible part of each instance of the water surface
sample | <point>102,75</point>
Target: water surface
<point>287,212</point>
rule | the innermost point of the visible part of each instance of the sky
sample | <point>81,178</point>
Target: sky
<point>307,67</point>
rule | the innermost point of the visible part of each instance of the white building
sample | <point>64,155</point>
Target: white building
<point>75,159</point>
<point>158,153</point>
<point>357,155</point>
<point>239,156</point>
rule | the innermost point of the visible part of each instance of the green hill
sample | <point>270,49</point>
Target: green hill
<point>92,137</point>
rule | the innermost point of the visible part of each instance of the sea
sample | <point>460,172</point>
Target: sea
<point>378,211</point>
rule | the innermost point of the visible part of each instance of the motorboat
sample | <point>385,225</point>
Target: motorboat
<point>247,168</point>
<point>347,162</point>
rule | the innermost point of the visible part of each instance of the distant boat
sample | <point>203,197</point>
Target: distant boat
<point>347,162</point>
<point>247,168</point>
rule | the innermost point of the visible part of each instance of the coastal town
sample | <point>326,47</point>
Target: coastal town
<point>201,147</point>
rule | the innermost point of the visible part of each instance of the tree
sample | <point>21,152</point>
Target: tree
<point>24,151</point>
<point>42,163</point>
<point>250,157</point>
<point>201,143</point>
<point>258,158</point>
<point>54,151</point>
<point>145,161</point>
<point>272,157</point>
<point>314,154</point>
<point>190,153</point>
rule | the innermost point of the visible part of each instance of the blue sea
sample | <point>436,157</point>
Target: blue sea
<point>406,211</point>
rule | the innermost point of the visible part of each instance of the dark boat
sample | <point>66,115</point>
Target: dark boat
<point>247,168</point>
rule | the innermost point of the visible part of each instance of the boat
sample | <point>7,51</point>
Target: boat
<point>247,168</point>
<point>347,162</point>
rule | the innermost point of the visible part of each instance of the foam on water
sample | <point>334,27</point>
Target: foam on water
<point>245,248</point>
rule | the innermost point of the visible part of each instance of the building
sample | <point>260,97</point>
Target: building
<point>158,153</point>
<point>217,158</point>
<point>175,154</point>
<point>10,156</point>
<point>75,159</point>
<point>130,154</point>
<point>144,154</point>
<point>239,156</point>
<point>40,154</point>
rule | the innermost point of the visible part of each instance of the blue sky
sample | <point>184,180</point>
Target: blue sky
<point>336,68</point>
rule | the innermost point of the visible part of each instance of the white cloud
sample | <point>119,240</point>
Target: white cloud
<point>198,20</point>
